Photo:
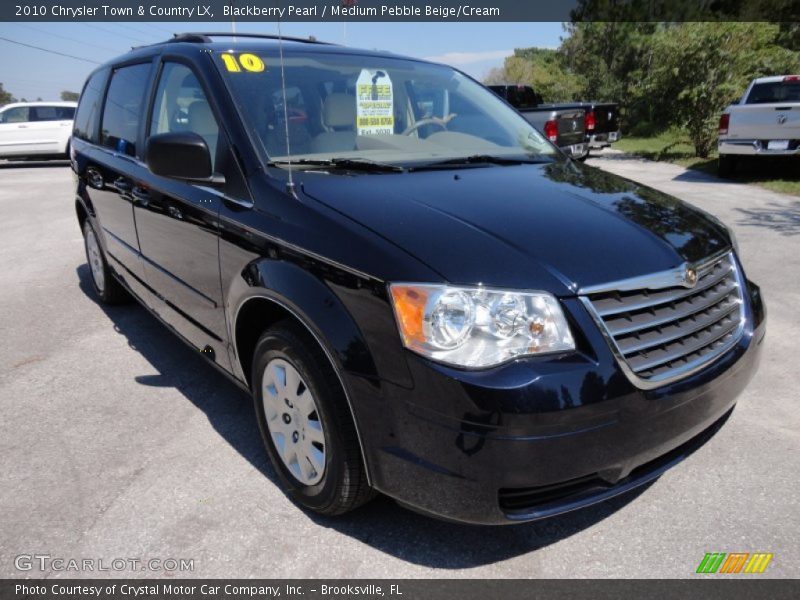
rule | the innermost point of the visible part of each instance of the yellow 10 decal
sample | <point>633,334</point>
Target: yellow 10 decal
<point>246,61</point>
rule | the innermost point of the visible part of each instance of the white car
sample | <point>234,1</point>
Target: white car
<point>36,129</point>
<point>765,122</point>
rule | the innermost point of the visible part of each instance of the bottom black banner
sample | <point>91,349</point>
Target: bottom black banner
<point>400,589</point>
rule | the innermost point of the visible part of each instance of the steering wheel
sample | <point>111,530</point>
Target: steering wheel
<point>440,121</point>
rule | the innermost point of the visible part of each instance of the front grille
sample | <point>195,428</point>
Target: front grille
<point>666,333</point>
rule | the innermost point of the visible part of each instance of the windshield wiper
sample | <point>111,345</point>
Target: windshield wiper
<point>479,159</point>
<point>352,164</point>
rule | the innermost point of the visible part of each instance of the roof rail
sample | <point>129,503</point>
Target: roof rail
<point>204,37</point>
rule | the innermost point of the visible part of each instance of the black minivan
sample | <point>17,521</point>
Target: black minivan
<point>424,296</point>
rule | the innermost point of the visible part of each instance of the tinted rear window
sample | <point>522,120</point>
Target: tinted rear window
<point>522,97</point>
<point>778,91</point>
<point>53,113</point>
<point>123,109</point>
<point>85,126</point>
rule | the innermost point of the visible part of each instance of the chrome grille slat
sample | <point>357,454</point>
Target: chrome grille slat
<point>617,305</point>
<point>669,331</point>
<point>718,330</point>
<point>643,320</point>
<point>716,313</point>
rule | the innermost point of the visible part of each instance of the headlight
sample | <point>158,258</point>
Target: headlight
<point>478,327</point>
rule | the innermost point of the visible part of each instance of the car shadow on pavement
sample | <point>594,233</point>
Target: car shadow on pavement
<point>782,218</point>
<point>33,164</point>
<point>382,523</point>
<point>430,542</point>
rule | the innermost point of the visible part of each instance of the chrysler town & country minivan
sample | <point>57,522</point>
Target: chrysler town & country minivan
<point>425,297</point>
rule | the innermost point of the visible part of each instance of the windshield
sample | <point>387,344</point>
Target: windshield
<point>371,108</point>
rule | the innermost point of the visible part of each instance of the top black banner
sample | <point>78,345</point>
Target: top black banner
<point>400,10</point>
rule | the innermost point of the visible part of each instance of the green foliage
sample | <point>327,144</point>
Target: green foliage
<point>703,67</point>
<point>611,58</point>
<point>68,96</point>
<point>663,75</point>
<point>5,97</point>
<point>541,68</point>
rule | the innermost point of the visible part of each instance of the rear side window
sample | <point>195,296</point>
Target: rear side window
<point>52,113</point>
<point>89,107</point>
<point>18,114</point>
<point>123,108</point>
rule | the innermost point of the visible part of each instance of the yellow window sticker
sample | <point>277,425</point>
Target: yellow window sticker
<point>374,103</point>
<point>248,62</point>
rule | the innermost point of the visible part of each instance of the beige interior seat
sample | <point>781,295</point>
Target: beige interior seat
<point>339,118</point>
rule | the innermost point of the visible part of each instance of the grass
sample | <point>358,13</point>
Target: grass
<point>776,174</point>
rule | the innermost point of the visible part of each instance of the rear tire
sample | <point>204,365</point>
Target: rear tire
<point>726,166</point>
<point>305,422</point>
<point>108,289</point>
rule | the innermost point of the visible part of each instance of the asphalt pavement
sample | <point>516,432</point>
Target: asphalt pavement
<point>117,441</point>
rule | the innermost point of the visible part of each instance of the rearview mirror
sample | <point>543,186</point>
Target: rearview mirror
<point>181,155</point>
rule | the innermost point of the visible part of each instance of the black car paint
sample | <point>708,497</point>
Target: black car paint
<point>217,264</point>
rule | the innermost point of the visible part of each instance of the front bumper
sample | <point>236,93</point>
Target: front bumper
<point>756,148</point>
<point>539,437</point>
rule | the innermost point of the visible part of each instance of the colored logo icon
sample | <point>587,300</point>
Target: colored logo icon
<point>734,562</point>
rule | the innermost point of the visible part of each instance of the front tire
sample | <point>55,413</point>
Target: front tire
<point>105,284</point>
<point>305,422</point>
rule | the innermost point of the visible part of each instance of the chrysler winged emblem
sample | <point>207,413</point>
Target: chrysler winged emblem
<point>689,277</point>
<point>781,119</point>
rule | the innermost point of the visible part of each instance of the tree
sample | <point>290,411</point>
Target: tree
<point>702,67</point>
<point>5,97</point>
<point>495,76</point>
<point>69,96</point>
<point>540,68</point>
<point>613,59</point>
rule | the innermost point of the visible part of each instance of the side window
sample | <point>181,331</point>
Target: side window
<point>122,112</point>
<point>16,115</point>
<point>44,113</point>
<point>65,113</point>
<point>181,105</point>
<point>89,107</point>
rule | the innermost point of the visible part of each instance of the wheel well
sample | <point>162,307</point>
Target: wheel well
<point>254,317</point>
<point>81,212</point>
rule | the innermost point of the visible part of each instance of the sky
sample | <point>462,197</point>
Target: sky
<point>29,73</point>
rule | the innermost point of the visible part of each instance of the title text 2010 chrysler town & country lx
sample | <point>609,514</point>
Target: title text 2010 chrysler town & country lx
<point>424,296</point>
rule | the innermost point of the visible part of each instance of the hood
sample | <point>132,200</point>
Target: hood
<point>555,227</point>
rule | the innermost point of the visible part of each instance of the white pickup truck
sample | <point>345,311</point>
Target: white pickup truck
<point>765,122</point>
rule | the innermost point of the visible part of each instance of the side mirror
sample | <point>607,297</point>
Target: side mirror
<point>181,155</point>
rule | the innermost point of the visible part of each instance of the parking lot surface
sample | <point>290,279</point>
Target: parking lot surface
<point>117,441</point>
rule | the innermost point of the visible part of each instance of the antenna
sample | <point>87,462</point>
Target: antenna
<point>290,185</point>
<point>233,20</point>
